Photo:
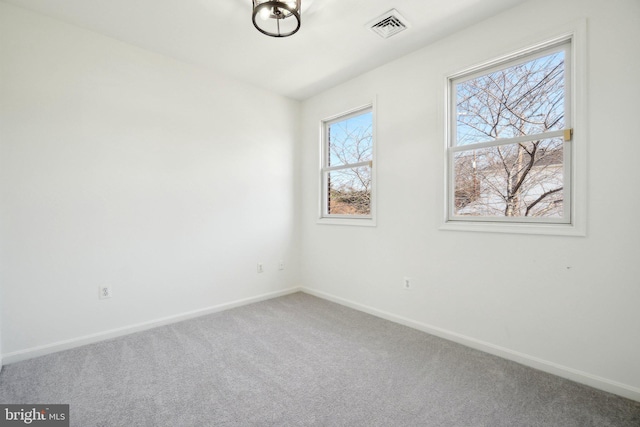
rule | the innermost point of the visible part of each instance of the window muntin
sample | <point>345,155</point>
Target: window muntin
<point>347,163</point>
<point>508,159</point>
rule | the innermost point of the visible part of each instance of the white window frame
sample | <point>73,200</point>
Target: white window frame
<point>337,219</point>
<point>574,149</point>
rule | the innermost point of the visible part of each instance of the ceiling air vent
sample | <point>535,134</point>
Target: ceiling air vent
<point>389,24</point>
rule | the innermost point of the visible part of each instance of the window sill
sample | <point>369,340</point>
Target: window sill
<point>515,228</point>
<point>366,222</point>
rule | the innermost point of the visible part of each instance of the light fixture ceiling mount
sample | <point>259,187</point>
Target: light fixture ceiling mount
<point>276,18</point>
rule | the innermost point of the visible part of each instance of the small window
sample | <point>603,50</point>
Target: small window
<point>347,167</point>
<point>509,149</point>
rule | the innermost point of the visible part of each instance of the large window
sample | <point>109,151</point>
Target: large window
<point>510,149</point>
<point>347,166</point>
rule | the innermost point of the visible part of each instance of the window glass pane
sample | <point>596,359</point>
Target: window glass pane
<point>514,180</point>
<point>350,141</point>
<point>349,191</point>
<point>525,99</point>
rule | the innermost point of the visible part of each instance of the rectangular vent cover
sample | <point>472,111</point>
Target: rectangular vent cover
<point>389,24</point>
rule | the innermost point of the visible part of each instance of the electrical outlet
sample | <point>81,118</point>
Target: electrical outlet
<point>104,291</point>
<point>260,268</point>
<point>406,284</point>
<point>281,265</point>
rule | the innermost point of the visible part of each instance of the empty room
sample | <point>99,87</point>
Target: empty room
<point>319,213</point>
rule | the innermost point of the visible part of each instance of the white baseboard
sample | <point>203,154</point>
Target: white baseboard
<point>578,376</point>
<point>30,353</point>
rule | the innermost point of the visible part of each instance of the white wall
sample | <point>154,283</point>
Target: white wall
<point>565,304</point>
<point>119,166</point>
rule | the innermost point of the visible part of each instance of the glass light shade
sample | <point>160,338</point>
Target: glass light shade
<point>276,18</point>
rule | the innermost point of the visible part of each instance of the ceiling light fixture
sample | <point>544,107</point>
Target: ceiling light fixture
<point>276,18</point>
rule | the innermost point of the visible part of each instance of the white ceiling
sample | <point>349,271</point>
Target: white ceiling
<point>332,46</point>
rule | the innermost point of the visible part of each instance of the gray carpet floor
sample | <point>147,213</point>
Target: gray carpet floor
<point>301,361</point>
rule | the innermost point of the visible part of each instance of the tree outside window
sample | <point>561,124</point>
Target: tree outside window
<point>347,165</point>
<point>508,154</point>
